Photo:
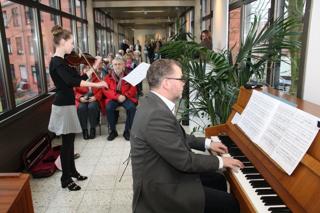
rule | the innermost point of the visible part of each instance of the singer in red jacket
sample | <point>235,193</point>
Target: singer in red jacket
<point>88,108</point>
<point>119,93</point>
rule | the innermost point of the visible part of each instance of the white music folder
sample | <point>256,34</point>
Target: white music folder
<point>138,74</point>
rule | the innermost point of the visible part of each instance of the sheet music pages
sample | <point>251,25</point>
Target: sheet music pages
<point>284,132</point>
<point>299,132</point>
<point>257,114</point>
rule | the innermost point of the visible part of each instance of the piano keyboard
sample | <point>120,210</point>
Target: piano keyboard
<point>259,192</point>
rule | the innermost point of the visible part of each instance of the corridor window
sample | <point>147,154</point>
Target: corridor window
<point>66,23</point>
<point>50,3</point>
<point>20,33</point>
<point>82,38</point>
<point>66,6</point>
<point>47,38</point>
<point>3,100</point>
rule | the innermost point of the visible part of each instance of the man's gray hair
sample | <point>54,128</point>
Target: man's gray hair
<point>160,69</point>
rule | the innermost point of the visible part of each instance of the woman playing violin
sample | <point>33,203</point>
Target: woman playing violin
<point>63,119</point>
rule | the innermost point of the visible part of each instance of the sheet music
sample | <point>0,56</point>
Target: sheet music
<point>257,114</point>
<point>282,131</point>
<point>137,74</point>
<point>296,140</point>
<point>236,118</point>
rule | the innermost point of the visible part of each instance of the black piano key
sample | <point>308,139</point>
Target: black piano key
<point>272,200</point>
<point>259,183</point>
<point>242,158</point>
<point>265,191</point>
<point>249,170</point>
<point>251,177</point>
<point>279,209</point>
<point>235,152</point>
<point>226,140</point>
<point>247,164</point>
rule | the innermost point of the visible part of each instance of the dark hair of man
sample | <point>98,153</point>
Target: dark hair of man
<point>59,33</point>
<point>160,69</point>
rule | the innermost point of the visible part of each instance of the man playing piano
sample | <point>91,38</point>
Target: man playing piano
<point>167,176</point>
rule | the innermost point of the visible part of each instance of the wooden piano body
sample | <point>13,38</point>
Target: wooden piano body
<point>300,191</point>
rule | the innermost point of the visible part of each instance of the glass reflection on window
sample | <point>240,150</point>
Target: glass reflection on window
<point>20,37</point>
<point>48,48</point>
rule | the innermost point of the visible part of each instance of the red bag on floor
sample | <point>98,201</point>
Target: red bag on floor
<point>39,157</point>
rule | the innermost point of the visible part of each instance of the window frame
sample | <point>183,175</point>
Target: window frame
<point>35,8</point>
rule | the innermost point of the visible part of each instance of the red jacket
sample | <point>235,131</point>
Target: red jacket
<point>126,89</point>
<point>81,91</point>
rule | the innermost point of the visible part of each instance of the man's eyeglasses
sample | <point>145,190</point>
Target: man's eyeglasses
<point>183,79</point>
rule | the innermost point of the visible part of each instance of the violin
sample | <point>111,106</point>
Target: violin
<point>74,59</point>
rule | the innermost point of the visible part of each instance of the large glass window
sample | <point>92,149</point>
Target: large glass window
<point>259,7</point>
<point>22,33</point>
<point>206,15</point>
<point>66,23</point>
<point>82,38</point>
<point>3,100</point>
<point>51,3</point>
<point>290,63</point>
<point>66,6</point>
<point>78,8</point>
<point>47,38</point>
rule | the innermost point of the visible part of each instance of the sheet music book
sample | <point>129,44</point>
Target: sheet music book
<point>282,131</point>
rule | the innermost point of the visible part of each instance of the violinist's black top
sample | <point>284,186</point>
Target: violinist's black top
<point>64,78</point>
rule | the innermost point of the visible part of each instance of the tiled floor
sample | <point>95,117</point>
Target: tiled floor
<point>102,161</point>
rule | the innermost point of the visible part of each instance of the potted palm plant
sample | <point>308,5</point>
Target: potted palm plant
<point>215,89</point>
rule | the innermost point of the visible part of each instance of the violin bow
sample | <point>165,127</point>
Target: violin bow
<point>85,58</point>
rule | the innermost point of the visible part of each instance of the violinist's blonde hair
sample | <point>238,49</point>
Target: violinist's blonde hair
<point>59,33</point>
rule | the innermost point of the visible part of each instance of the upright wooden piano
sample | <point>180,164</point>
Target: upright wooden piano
<point>262,186</point>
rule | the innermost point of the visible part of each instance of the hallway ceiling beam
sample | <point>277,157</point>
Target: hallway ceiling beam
<point>108,4</point>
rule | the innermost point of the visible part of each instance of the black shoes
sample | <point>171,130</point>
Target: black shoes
<point>112,135</point>
<point>85,134</point>
<point>126,135</point>
<point>92,133</point>
<point>70,184</point>
<point>79,177</point>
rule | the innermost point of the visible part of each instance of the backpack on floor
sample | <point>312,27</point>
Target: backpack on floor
<point>39,157</point>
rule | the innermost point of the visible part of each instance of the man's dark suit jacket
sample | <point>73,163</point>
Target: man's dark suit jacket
<point>165,171</point>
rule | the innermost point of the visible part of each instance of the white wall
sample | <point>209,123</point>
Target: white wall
<point>140,35</point>
<point>312,68</point>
